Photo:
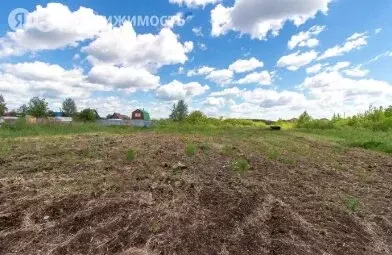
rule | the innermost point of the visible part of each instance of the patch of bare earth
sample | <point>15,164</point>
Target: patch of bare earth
<point>80,195</point>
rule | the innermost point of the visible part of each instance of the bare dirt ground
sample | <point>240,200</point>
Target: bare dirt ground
<point>81,195</point>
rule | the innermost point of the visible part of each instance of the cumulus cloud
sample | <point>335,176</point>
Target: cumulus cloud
<point>221,77</point>
<point>297,60</point>
<point>123,77</point>
<point>228,92</point>
<point>262,78</point>
<point>337,93</point>
<point>259,18</point>
<point>204,70</point>
<point>314,68</point>
<point>271,98</point>
<point>138,50</point>
<point>177,90</point>
<point>59,27</point>
<point>198,31</point>
<point>194,3</point>
<point>354,42</point>
<point>24,80</point>
<point>306,39</point>
<point>356,72</point>
<point>215,101</point>
<point>175,20</point>
<point>245,65</point>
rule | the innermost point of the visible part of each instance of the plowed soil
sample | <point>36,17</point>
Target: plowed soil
<point>81,195</point>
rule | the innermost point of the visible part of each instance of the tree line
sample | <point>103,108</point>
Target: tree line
<point>38,108</point>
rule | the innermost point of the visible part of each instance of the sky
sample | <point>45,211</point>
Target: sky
<point>259,59</point>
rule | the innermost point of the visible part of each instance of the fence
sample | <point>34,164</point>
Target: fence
<point>119,122</point>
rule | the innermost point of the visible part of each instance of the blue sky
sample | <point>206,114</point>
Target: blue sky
<point>244,58</point>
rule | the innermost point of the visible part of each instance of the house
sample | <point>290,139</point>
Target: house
<point>140,115</point>
<point>117,116</point>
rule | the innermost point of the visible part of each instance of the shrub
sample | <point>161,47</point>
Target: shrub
<point>197,117</point>
<point>88,115</point>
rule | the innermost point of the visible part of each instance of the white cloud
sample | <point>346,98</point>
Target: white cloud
<point>378,30</point>
<point>138,50</point>
<point>194,3</point>
<point>305,39</point>
<point>177,90</point>
<point>204,70</point>
<point>123,77</point>
<point>64,29</point>
<point>338,66</point>
<point>221,77</point>
<point>297,60</point>
<point>198,31</point>
<point>314,69</point>
<point>335,93</point>
<point>259,18</point>
<point>215,101</point>
<point>245,65</point>
<point>271,98</point>
<point>376,58</point>
<point>354,42</point>
<point>202,46</point>
<point>228,92</point>
<point>176,20</point>
<point>356,72</point>
<point>262,78</point>
<point>24,80</point>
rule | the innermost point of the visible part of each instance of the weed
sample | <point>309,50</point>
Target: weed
<point>288,160</point>
<point>228,150</point>
<point>190,149</point>
<point>131,154</point>
<point>273,154</point>
<point>352,204</point>
<point>204,146</point>
<point>240,165</point>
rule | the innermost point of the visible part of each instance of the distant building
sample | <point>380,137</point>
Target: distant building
<point>140,115</point>
<point>117,116</point>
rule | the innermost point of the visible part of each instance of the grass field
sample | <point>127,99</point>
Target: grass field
<point>186,189</point>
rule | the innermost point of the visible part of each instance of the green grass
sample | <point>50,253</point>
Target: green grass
<point>240,165</point>
<point>190,150</point>
<point>355,137</point>
<point>131,154</point>
<point>270,143</point>
<point>352,204</point>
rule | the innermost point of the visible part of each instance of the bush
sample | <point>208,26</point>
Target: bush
<point>88,115</point>
<point>197,117</point>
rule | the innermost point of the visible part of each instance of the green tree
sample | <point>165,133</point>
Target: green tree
<point>197,117</point>
<point>179,111</point>
<point>22,110</point>
<point>88,115</point>
<point>3,107</point>
<point>304,118</point>
<point>388,112</point>
<point>37,107</point>
<point>69,107</point>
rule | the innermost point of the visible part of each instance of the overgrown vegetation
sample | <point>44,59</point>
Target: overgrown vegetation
<point>375,118</point>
